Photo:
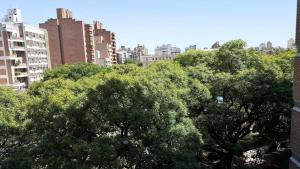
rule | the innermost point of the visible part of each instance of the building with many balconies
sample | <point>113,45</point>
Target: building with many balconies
<point>105,44</point>
<point>24,54</point>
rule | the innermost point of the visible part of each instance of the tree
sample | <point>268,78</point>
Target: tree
<point>198,57</point>
<point>203,110</point>
<point>153,119</point>
<point>12,120</point>
<point>232,57</point>
<point>74,72</point>
<point>86,123</point>
<point>62,132</point>
<point>251,100</point>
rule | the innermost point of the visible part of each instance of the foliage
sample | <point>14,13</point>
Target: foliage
<point>203,110</point>
<point>74,72</point>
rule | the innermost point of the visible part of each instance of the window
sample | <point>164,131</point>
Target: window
<point>1,53</point>
<point>1,45</point>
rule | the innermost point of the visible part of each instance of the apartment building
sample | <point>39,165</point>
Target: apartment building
<point>24,52</point>
<point>70,41</point>
<point>138,51</point>
<point>105,43</point>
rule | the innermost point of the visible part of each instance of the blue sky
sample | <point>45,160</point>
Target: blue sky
<point>178,22</point>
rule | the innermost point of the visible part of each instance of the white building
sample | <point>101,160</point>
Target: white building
<point>146,60</point>
<point>291,44</point>
<point>122,56</point>
<point>262,46</point>
<point>24,54</point>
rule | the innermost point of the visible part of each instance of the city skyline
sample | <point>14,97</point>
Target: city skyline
<point>181,23</point>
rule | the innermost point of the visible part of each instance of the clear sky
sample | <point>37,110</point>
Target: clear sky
<point>178,22</point>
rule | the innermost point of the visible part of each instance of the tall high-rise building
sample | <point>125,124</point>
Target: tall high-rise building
<point>24,54</point>
<point>70,41</point>
<point>295,126</point>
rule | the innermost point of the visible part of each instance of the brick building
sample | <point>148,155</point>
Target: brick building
<point>70,41</point>
<point>295,126</point>
<point>24,54</point>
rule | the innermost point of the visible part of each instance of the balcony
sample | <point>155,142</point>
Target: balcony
<point>18,85</point>
<point>21,74</point>
<point>18,48</point>
<point>20,66</point>
<point>16,39</point>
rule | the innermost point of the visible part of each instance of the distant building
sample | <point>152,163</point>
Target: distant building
<point>262,46</point>
<point>216,45</point>
<point>191,47</point>
<point>167,50</point>
<point>291,44</point>
<point>24,52</point>
<point>269,45</point>
<point>267,48</point>
<point>138,51</point>
<point>164,52</point>
<point>123,55</point>
<point>146,60</point>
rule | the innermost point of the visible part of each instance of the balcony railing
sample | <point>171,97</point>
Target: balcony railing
<point>20,66</point>
<point>17,39</point>
<point>21,74</point>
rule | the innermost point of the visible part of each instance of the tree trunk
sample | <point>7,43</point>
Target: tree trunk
<point>229,158</point>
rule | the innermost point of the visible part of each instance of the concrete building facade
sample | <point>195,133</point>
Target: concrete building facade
<point>24,52</point>
<point>146,60</point>
<point>295,125</point>
<point>167,50</point>
<point>70,41</point>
